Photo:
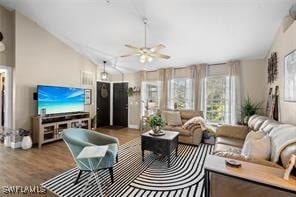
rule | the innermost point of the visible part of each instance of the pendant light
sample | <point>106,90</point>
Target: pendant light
<point>104,75</point>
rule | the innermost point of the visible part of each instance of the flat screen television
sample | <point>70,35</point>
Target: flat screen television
<point>55,100</point>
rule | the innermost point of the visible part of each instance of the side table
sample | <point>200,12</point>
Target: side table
<point>163,145</point>
<point>90,152</point>
<point>248,180</point>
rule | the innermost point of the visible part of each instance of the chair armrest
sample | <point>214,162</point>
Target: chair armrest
<point>234,131</point>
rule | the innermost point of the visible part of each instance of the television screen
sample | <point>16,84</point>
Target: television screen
<point>55,99</point>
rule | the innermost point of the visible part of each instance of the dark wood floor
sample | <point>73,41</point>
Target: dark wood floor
<point>34,166</point>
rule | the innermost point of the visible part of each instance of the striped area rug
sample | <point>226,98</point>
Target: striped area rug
<point>136,178</point>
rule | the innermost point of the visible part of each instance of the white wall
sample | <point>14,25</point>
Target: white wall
<point>40,58</point>
<point>284,43</point>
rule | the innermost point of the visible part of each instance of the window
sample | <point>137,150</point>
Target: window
<point>181,94</point>
<point>217,101</point>
<point>151,92</point>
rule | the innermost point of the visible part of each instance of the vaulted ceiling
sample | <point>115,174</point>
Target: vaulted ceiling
<point>194,31</point>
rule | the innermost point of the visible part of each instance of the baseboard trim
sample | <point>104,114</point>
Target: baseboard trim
<point>133,126</point>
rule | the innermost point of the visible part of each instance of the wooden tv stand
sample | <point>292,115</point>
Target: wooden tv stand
<point>47,129</point>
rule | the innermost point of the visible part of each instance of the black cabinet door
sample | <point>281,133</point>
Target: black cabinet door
<point>120,104</point>
<point>103,104</point>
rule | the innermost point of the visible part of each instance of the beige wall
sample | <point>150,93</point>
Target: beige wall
<point>40,58</point>
<point>253,80</point>
<point>6,20</point>
<point>283,44</point>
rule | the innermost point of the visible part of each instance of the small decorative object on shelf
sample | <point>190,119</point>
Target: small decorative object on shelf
<point>156,123</point>
<point>233,163</point>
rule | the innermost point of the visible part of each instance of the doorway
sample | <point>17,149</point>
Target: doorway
<point>120,104</point>
<point>103,104</point>
<point>6,96</point>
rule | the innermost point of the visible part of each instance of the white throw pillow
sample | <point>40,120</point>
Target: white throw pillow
<point>251,135</point>
<point>173,118</point>
<point>256,147</point>
<point>254,135</point>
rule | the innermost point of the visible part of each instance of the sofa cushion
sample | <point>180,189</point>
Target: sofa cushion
<point>257,148</point>
<point>256,122</point>
<point>268,125</point>
<point>281,137</point>
<point>173,118</point>
<point>179,129</point>
<point>182,131</point>
<point>230,141</point>
<point>232,155</point>
<point>187,114</point>
<point>287,153</point>
<point>226,148</point>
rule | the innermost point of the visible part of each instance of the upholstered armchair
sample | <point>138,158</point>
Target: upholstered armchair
<point>76,139</point>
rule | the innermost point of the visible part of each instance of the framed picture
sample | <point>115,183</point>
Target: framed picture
<point>290,77</point>
<point>87,96</point>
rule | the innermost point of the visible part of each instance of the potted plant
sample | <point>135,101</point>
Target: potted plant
<point>249,108</point>
<point>156,123</point>
<point>130,91</point>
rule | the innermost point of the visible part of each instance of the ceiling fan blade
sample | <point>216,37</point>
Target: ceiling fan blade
<point>159,55</point>
<point>157,47</point>
<point>127,55</point>
<point>132,47</point>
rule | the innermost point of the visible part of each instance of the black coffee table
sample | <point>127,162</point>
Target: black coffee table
<point>163,145</point>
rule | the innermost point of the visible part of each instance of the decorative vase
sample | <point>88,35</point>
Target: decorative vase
<point>27,142</point>
<point>156,129</point>
<point>7,141</point>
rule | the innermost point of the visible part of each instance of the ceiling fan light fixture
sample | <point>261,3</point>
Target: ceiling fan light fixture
<point>150,59</point>
<point>143,58</point>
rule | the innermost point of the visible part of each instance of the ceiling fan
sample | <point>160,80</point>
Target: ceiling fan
<point>146,54</point>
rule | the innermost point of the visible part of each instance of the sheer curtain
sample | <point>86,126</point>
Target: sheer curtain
<point>233,115</point>
<point>199,76</point>
<point>165,76</point>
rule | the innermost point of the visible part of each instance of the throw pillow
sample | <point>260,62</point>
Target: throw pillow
<point>256,148</point>
<point>164,116</point>
<point>255,135</point>
<point>251,135</point>
<point>173,118</point>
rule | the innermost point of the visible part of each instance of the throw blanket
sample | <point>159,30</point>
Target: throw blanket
<point>281,137</point>
<point>197,120</point>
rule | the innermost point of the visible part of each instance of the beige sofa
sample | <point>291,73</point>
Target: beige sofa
<point>230,140</point>
<point>192,135</point>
